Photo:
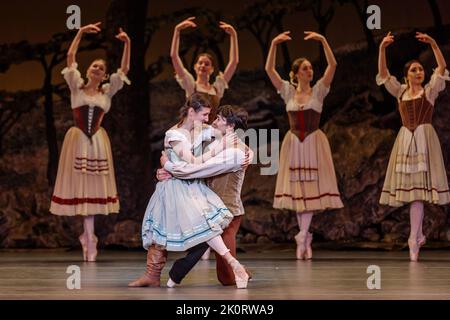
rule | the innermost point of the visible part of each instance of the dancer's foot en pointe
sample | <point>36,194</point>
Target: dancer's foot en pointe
<point>240,274</point>
<point>83,241</point>
<point>92,248</point>
<point>308,252</point>
<point>156,259</point>
<point>414,246</point>
<point>300,239</point>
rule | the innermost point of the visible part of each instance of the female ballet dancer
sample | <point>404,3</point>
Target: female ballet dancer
<point>416,171</point>
<point>204,67</point>
<point>306,181</point>
<point>184,213</point>
<point>85,183</point>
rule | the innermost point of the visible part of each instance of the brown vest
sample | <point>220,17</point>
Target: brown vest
<point>88,119</point>
<point>228,187</point>
<point>415,112</point>
<point>304,122</point>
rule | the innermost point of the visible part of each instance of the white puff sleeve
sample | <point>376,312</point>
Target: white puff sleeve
<point>286,91</point>
<point>436,85</point>
<point>186,81</point>
<point>220,84</point>
<point>320,91</point>
<point>391,84</point>
<point>116,81</point>
<point>73,76</point>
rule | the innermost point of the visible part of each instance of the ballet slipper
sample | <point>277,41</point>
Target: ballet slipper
<point>413,249</point>
<point>83,242</point>
<point>156,259</point>
<point>92,249</point>
<point>300,238</point>
<point>240,275</point>
<point>421,240</point>
<point>308,253</point>
<point>171,283</point>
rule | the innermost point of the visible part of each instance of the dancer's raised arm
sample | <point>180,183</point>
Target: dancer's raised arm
<point>90,28</point>
<point>422,37</point>
<point>328,75</point>
<point>174,55</point>
<point>125,64</point>
<point>234,51</point>
<point>272,58</point>
<point>382,65</point>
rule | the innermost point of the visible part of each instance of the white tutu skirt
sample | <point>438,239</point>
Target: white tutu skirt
<point>182,214</point>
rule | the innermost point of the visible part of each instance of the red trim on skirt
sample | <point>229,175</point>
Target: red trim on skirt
<point>76,201</point>
<point>312,198</point>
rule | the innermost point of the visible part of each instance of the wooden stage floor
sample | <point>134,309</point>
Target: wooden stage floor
<point>41,274</point>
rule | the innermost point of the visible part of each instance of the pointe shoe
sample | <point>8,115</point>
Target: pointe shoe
<point>300,238</point>
<point>240,273</point>
<point>83,242</point>
<point>308,253</point>
<point>92,249</point>
<point>413,249</point>
<point>421,240</point>
<point>205,256</point>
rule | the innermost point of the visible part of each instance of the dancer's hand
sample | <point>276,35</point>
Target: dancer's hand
<point>228,28</point>
<point>311,35</point>
<point>387,40</point>
<point>246,162</point>
<point>91,28</point>
<point>282,37</point>
<point>423,37</point>
<point>122,36</point>
<point>188,23</point>
<point>162,174</point>
<point>163,159</point>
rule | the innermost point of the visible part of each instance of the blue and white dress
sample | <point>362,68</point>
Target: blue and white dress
<point>183,213</point>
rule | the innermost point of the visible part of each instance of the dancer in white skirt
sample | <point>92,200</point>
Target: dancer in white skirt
<point>306,181</point>
<point>416,171</point>
<point>184,213</point>
<point>85,183</point>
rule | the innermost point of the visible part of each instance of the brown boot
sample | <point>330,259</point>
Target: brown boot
<point>156,259</point>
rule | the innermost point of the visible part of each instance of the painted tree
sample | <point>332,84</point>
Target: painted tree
<point>13,105</point>
<point>361,10</point>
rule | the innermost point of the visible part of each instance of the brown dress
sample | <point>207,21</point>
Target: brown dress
<point>416,168</point>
